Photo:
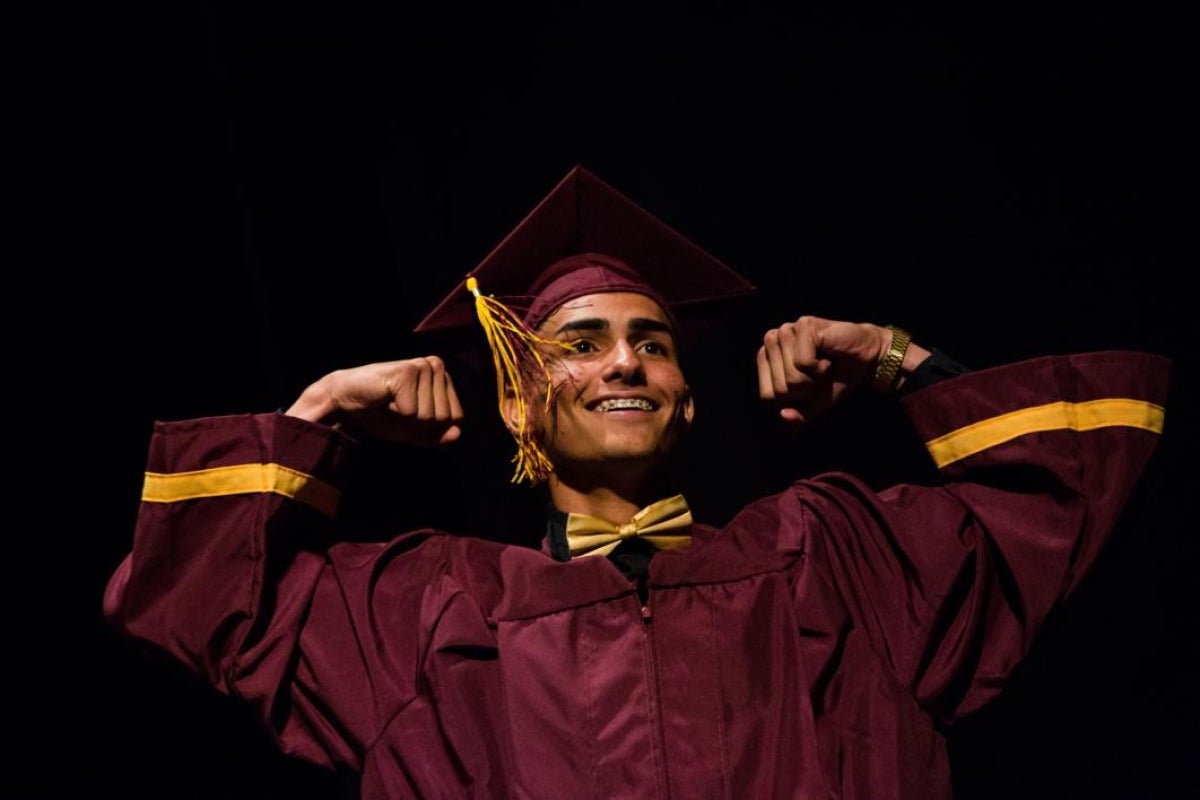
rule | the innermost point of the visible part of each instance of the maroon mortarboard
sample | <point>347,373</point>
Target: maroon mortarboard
<point>583,238</point>
<point>583,214</point>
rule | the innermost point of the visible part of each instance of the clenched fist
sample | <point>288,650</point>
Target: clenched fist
<point>809,365</point>
<point>408,402</point>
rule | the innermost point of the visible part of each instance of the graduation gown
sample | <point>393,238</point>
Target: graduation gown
<point>813,647</point>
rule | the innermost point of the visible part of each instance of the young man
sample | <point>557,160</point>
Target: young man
<point>812,647</point>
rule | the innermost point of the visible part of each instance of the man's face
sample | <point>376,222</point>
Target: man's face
<point>620,396</point>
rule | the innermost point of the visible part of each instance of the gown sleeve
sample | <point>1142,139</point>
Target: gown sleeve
<point>234,572</point>
<point>951,583</point>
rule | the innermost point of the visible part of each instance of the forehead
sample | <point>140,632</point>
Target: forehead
<point>616,308</point>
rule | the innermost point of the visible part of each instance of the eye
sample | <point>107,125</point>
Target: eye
<point>582,346</point>
<point>655,348</point>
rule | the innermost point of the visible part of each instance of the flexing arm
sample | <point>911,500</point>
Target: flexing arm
<point>951,583</point>
<point>237,569</point>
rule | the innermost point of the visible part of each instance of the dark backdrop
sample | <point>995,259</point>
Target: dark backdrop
<point>259,193</point>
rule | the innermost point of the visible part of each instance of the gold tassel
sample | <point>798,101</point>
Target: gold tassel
<point>514,348</point>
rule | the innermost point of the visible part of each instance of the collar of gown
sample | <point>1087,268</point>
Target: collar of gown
<point>536,584</point>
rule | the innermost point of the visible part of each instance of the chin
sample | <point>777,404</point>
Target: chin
<point>627,456</point>
<point>635,449</point>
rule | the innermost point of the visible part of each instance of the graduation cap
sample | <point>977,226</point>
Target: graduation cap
<point>583,238</point>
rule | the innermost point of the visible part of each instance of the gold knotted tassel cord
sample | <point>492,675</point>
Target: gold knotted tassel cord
<point>515,353</point>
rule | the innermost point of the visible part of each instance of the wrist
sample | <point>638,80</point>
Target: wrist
<point>315,404</point>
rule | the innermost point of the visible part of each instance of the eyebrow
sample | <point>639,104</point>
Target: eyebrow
<point>597,324</point>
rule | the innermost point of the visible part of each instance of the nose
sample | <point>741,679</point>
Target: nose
<point>623,363</point>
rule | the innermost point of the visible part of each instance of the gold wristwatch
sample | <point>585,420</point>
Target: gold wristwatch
<point>887,371</point>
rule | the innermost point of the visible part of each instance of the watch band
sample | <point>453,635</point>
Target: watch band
<point>887,371</point>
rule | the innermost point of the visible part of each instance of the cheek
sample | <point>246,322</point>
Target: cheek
<point>567,377</point>
<point>671,380</point>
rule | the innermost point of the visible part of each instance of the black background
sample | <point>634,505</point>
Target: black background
<point>253,194</point>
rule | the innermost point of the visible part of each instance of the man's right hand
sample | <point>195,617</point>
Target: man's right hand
<point>408,402</point>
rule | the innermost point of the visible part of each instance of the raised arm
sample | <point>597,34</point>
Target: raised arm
<point>951,583</point>
<point>237,570</point>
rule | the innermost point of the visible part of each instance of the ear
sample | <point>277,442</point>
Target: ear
<point>508,407</point>
<point>689,407</point>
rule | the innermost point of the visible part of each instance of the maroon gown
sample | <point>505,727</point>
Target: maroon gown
<point>811,648</point>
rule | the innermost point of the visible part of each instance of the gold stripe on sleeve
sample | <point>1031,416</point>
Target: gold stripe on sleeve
<point>1087,416</point>
<point>241,479</point>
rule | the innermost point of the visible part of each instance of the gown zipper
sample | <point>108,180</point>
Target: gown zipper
<point>655,687</point>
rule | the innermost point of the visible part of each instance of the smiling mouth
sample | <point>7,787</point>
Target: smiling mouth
<point>625,404</point>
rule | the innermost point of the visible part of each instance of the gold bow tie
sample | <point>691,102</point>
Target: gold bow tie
<point>593,536</point>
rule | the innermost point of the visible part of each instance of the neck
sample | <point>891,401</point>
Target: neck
<point>614,501</point>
